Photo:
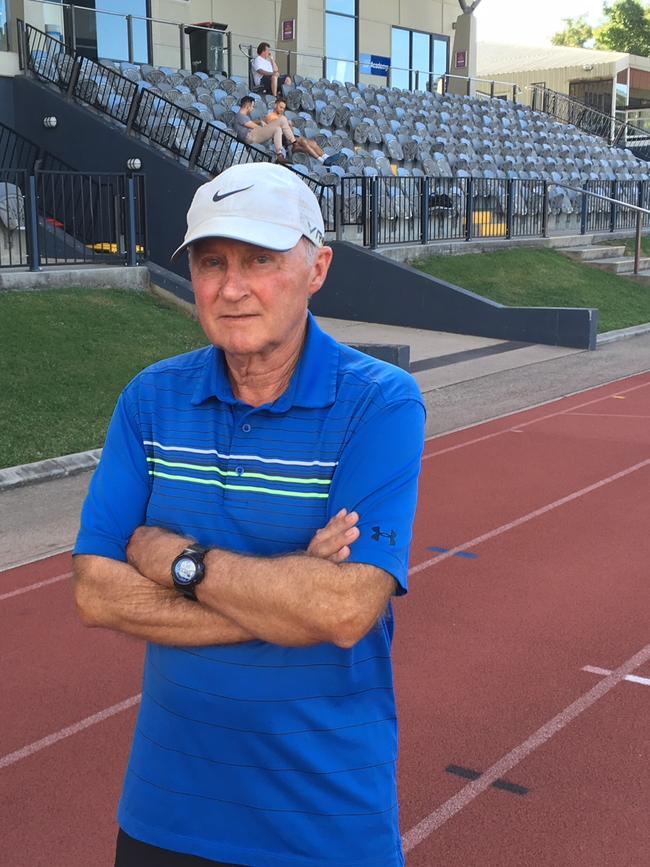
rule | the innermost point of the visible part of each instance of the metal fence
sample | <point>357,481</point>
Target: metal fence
<point>389,211</point>
<point>71,218</point>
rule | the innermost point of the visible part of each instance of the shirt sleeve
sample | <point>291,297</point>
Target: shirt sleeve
<point>119,492</point>
<point>377,477</point>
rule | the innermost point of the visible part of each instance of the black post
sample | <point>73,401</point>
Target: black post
<point>229,49</point>
<point>197,147</point>
<point>637,248</point>
<point>374,214</point>
<point>133,109</point>
<point>32,222</point>
<point>583,212</point>
<point>545,211</point>
<point>424,210</point>
<point>509,185</point>
<point>469,209</point>
<point>131,249</point>
<point>74,75</point>
<point>612,208</point>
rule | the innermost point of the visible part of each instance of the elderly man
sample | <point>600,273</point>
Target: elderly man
<point>251,519</point>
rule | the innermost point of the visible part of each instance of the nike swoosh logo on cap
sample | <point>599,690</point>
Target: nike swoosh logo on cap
<point>217,197</point>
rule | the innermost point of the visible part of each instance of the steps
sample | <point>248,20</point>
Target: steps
<point>608,258</point>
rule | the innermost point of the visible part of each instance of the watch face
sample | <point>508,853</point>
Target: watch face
<point>185,570</point>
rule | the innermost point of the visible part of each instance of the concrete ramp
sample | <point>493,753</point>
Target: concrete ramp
<point>365,286</point>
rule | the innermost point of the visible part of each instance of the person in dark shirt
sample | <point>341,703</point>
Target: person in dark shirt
<point>251,132</point>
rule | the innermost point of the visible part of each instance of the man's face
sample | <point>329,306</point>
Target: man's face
<point>266,53</point>
<point>248,107</point>
<point>280,107</point>
<point>252,302</point>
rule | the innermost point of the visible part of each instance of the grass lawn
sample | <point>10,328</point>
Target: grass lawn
<point>66,354</point>
<point>536,277</point>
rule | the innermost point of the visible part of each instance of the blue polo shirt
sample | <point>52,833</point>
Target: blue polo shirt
<point>258,754</point>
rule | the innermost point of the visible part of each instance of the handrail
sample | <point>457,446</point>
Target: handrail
<point>617,130</point>
<point>640,211</point>
<point>246,49</point>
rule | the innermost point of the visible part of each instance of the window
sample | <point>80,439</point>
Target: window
<point>112,34</point>
<point>418,59</point>
<point>341,39</point>
<point>401,58</point>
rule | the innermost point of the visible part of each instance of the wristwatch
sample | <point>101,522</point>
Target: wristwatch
<point>188,569</point>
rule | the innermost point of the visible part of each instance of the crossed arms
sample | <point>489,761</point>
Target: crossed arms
<point>294,600</point>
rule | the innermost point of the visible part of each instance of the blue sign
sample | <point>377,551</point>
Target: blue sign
<point>374,64</point>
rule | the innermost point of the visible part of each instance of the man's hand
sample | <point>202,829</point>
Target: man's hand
<point>152,551</point>
<point>333,541</point>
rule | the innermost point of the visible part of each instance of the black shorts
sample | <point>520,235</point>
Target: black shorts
<point>130,852</point>
<point>265,81</point>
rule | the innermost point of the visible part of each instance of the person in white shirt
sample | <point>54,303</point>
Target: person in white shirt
<point>265,70</point>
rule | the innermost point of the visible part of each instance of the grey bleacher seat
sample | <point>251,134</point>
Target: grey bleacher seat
<point>12,207</point>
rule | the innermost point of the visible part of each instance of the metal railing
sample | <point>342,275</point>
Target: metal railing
<point>387,211</point>
<point>424,79</point>
<point>71,218</point>
<point>157,119</point>
<point>590,120</point>
<point>642,214</point>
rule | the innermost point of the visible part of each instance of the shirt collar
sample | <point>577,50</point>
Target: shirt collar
<point>312,385</point>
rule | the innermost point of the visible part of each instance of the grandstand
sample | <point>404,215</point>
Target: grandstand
<point>416,166</point>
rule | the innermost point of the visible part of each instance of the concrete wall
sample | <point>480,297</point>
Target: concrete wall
<point>366,287</point>
<point>557,79</point>
<point>7,101</point>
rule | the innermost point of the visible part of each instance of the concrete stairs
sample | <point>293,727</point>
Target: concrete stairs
<point>609,258</point>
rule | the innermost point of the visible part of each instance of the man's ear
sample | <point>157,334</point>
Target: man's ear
<point>320,267</point>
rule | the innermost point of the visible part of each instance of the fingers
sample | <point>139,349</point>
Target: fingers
<point>333,541</point>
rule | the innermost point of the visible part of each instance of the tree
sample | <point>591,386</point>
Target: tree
<point>627,28</point>
<point>577,32</point>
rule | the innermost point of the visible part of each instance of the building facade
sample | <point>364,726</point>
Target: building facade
<point>402,42</point>
<point>613,83</point>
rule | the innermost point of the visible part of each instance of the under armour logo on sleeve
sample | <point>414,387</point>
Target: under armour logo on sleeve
<point>377,533</point>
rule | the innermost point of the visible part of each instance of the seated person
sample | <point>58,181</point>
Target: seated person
<point>300,143</point>
<point>265,70</point>
<point>251,132</point>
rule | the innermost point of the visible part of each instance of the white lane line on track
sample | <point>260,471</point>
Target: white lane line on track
<point>35,586</point>
<point>506,763</point>
<point>522,424</point>
<point>43,743</point>
<point>632,678</point>
<point>491,534</point>
<point>606,415</point>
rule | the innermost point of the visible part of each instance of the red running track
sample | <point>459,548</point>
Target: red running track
<point>544,516</point>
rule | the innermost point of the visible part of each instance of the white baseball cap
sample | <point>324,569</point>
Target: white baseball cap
<point>260,203</point>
